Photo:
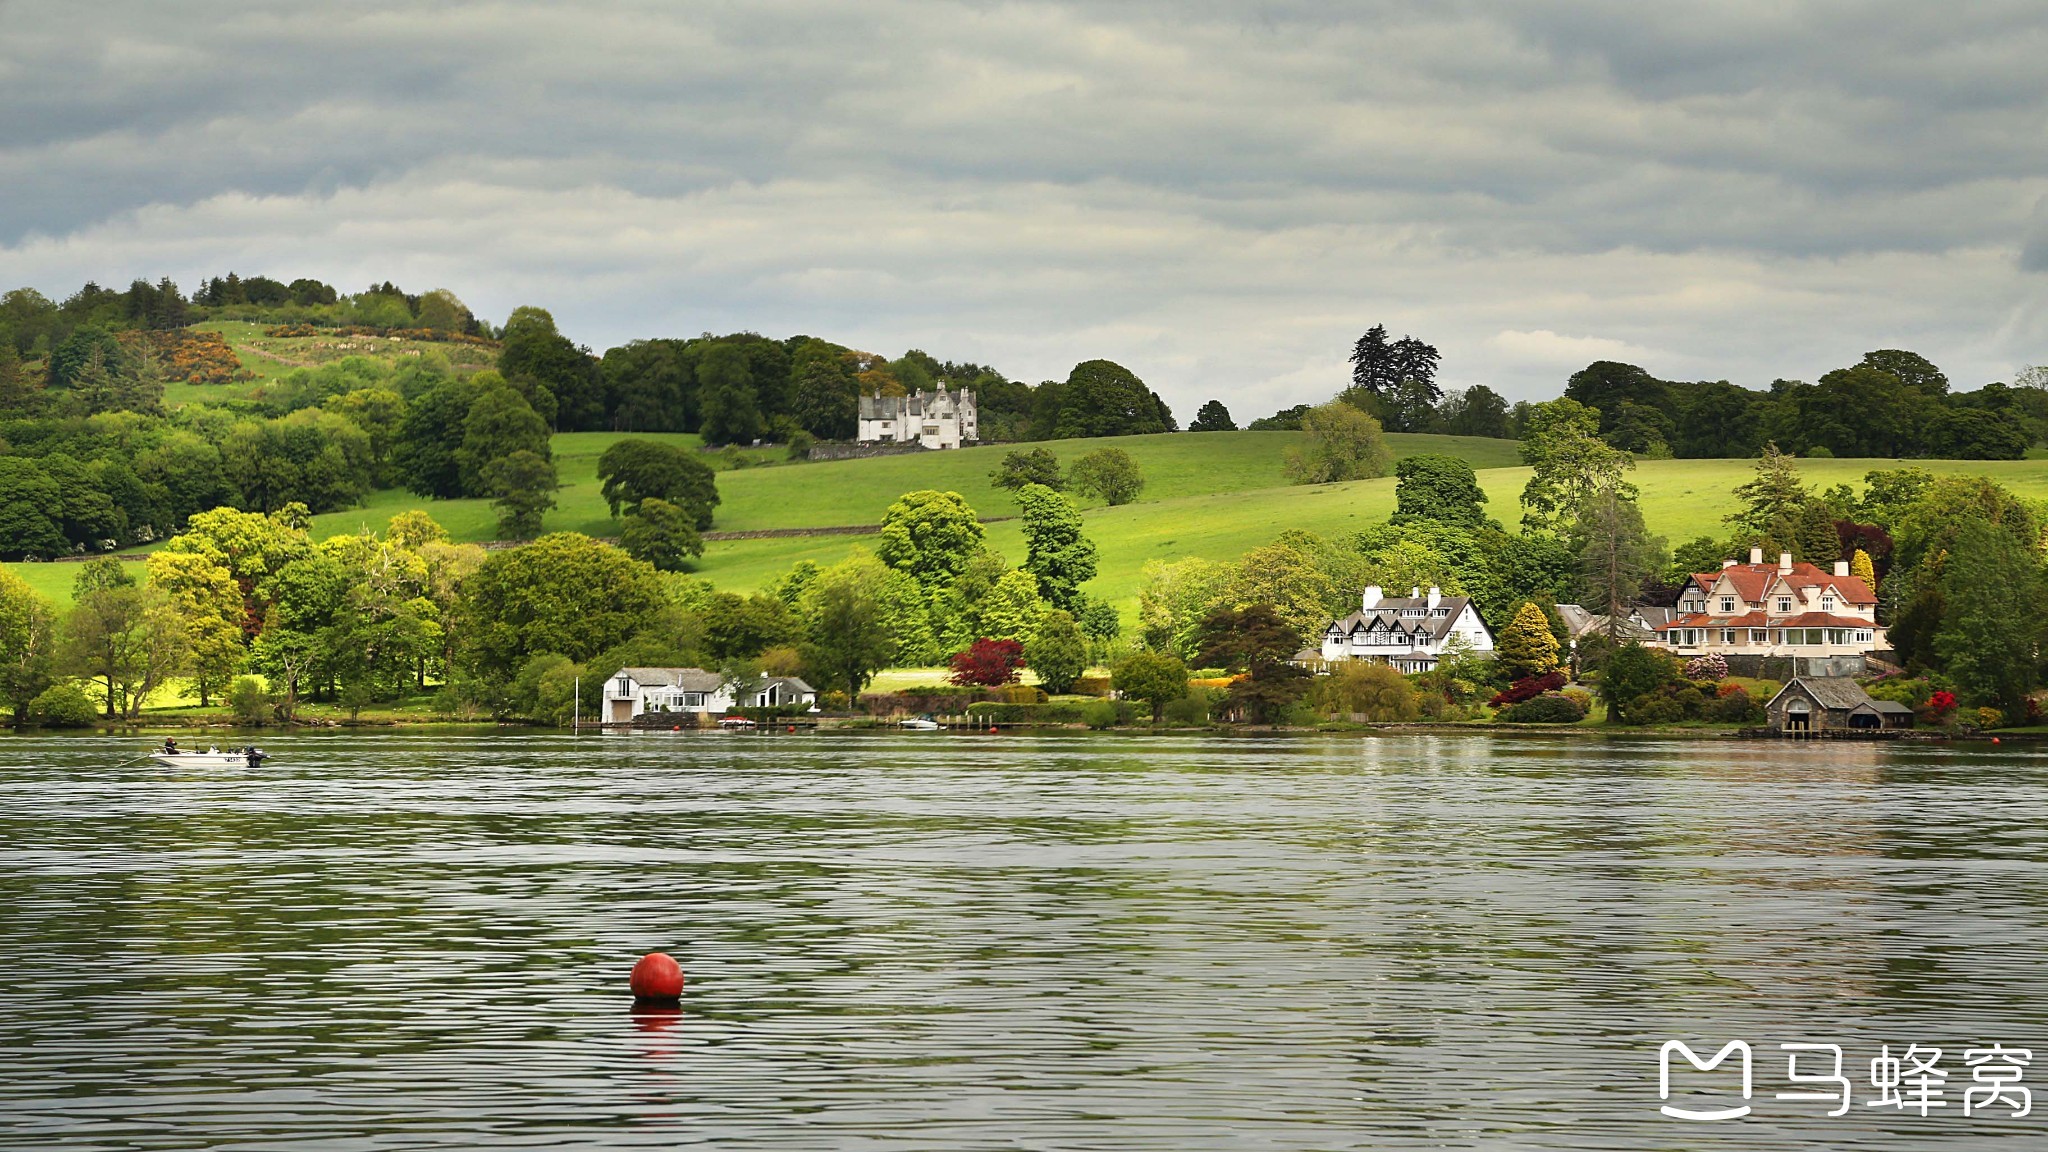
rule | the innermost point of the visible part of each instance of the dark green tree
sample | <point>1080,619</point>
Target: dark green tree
<point>725,396</point>
<point>1154,677</point>
<point>1476,411</point>
<point>1055,551</point>
<point>1443,489</point>
<point>1036,466</point>
<point>636,470</point>
<point>1631,673</point>
<point>1058,652</point>
<point>1102,398</point>
<point>1990,636</point>
<point>430,436</point>
<point>1109,473</point>
<point>930,535</point>
<point>500,422</point>
<point>562,593</point>
<point>1235,639</point>
<point>662,534</point>
<point>1213,417</point>
<point>523,488</point>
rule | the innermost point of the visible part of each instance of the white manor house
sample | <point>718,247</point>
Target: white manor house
<point>938,419</point>
<point>1409,632</point>
<point>1782,609</point>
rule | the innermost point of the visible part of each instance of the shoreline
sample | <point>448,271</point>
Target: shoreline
<point>843,725</point>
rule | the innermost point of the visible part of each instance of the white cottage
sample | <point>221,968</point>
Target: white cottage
<point>1409,632</point>
<point>694,693</point>
<point>938,419</point>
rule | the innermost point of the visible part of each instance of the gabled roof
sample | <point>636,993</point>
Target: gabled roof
<point>794,683</point>
<point>1831,692</point>
<point>908,407</point>
<point>1387,614</point>
<point>688,679</point>
<point>1753,582</point>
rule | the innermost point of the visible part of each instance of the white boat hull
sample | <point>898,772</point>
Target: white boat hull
<point>202,759</point>
<point>921,725</point>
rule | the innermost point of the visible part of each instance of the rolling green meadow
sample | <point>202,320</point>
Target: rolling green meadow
<point>1213,495</point>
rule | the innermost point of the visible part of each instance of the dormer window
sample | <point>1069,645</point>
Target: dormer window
<point>1827,603</point>
<point>1727,605</point>
<point>1784,604</point>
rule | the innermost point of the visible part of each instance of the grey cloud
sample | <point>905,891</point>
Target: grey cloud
<point>1219,190</point>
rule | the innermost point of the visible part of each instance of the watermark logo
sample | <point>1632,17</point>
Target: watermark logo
<point>1675,1047</point>
<point>1913,1080</point>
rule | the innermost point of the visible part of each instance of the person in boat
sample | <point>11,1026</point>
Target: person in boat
<point>170,745</point>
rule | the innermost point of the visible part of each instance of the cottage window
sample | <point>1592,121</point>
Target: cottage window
<point>1838,635</point>
<point>1759,636</point>
<point>625,686</point>
<point>1727,635</point>
<point>1727,604</point>
<point>693,700</point>
<point>1863,637</point>
<point>1827,603</point>
<point>1784,603</point>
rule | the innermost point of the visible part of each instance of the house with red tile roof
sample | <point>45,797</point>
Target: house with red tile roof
<point>1782,609</point>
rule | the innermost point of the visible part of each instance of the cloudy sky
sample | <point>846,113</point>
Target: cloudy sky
<point>1220,196</point>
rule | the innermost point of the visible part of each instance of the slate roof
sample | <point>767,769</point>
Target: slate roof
<point>1387,613</point>
<point>907,407</point>
<point>688,679</point>
<point>1832,692</point>
<point>794,683</point>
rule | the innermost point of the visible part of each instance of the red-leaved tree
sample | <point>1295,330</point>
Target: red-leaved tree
<point>988,663</point>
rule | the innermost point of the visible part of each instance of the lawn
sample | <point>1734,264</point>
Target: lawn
<point>1214,495</point>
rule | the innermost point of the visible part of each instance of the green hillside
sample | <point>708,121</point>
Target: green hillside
<point>1213,495</point>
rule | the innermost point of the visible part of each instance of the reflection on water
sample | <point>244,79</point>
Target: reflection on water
<point>956,942</point>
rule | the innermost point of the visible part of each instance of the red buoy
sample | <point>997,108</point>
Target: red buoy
<point>657,977</point>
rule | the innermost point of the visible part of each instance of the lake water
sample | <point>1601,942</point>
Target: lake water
<point>940,941</point>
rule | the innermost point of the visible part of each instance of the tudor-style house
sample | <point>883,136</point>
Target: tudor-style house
<point>1409,632</point>
<point>938,419</point>
<point>1782,609</point>
<point>693,693</point>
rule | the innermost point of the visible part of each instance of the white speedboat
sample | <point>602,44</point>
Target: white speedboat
<point>248,757</point>
<point>920,724</point>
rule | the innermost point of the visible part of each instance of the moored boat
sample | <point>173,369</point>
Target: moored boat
<point>173,757</point>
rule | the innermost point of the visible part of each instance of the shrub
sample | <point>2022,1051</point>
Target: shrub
<point>1734,705</point>
<point>1549,708</point>
<point>250,701</point>
<point>988,662</point>
<point>1020,694</point>
<point>1939,708</point>
<point>1989,717</point>
<point>1712,666</point>
<point>1528,688</point>
<point>1099,714</point>
<point>832,701</point>
<point>1091,686</point>
<point>63,706</point>
<point>1655,708</point>
<point>1581,697</point>
<point>1194,708</point>
<point>800,444</point>
<point>1056,712</point>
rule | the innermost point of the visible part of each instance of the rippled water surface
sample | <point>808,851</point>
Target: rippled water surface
<point>937,941</point>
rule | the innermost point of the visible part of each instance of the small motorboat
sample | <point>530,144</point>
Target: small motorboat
<point>735,723</point>
<point>175,757</point>
<point>921,724</point>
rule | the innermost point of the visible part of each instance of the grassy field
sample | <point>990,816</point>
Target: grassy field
<point>1213,495</point>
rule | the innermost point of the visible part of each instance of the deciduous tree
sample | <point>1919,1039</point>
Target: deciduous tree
<point>1109,473</point>
<point>1055,550</point>
<point>1344,444</point>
